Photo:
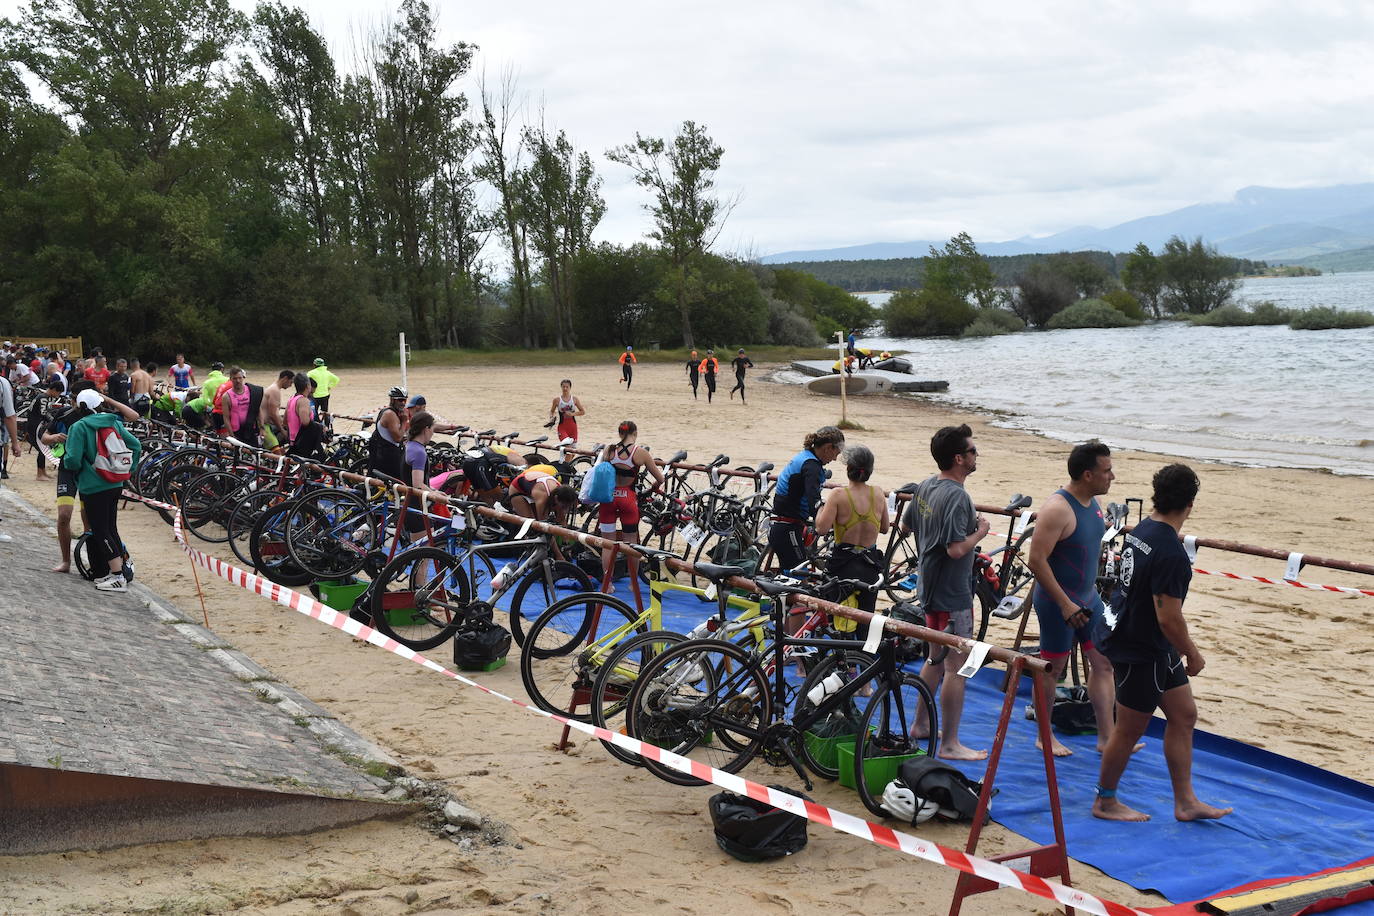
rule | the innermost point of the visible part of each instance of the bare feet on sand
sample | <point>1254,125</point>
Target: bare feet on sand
<point>62,567</point>
<point>959,752</point>
<point>1109,809</point>
<point>1199,811</point>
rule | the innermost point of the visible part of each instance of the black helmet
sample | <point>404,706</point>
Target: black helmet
<point>753,831</point>
<point>396,393</point>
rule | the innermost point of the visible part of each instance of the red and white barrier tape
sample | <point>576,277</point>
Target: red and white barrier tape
<point>1344,589</point>
<point>830,817</point>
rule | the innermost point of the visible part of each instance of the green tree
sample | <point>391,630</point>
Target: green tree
<point>560,199</point>
<point>1089,275</point>
<point>960,270</point>
<point>1041,292</point>
<point>928,312</point>
<point>688,217</point>
<point>829,308</point>
<point>1197,279</point>
<point>1143,276</point>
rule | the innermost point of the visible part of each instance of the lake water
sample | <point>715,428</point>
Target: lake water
<point>1266,396</point>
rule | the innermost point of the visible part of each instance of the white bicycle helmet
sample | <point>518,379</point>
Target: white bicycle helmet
<point>903,804</point>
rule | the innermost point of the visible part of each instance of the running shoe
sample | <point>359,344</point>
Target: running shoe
<point>112,583</point>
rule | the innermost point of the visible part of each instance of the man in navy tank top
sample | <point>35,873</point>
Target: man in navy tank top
<point>1065,549</point>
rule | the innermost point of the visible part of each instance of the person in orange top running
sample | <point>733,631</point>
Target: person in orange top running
<point>709,367</point>
<point>627,369</point>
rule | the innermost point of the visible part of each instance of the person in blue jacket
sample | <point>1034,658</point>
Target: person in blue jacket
<point>798,495</point>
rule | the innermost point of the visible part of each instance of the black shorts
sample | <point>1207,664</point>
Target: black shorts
<point>321,403</point>
<point>66,487</point>
<point>1139,685</point>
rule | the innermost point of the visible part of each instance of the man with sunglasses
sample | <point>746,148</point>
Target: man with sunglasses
<point>948,531</point>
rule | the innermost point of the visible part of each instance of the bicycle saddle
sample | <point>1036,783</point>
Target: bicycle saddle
<point>718,573</point>
<point>1018,502</point>
<point>679,457</point>
<point>655,552</point>
<point>536,440</point>
<point>773,588</point>
<point>764,468</point>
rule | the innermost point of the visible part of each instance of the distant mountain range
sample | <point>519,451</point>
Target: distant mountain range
<point>1279,225</point>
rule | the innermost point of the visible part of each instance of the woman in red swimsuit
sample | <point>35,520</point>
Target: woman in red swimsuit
<point>566,408</point>
<point>627,457</point>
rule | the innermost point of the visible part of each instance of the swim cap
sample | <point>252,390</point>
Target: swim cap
<point>629,348</point>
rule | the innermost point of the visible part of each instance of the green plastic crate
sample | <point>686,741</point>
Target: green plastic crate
<point>340,594</point>
<point>878,771</point>
<point>827,750</point>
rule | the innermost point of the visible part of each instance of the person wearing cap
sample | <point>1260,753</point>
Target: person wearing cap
<point>709,367</point>
<point>627,369</point>
<point>740,363</point>
<point>694,372</point>
<point>325,382</point>
<point>385,447</point>
<point>416,403</point>
<point>181,374</point>
<point>99,494</point>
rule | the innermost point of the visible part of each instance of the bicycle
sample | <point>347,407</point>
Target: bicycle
<point>711,700</point>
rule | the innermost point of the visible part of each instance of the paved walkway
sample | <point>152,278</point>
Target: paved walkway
<point>121,684</point>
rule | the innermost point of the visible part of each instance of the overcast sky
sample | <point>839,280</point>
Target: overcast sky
<point>853,122</point>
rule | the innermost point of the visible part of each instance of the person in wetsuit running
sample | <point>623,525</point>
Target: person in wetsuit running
<point>627,457</point>
<point>797,496</point>
<point>694,372</point>
<point>709,367</point>
<point>740,363</point>
<point>627,368</point>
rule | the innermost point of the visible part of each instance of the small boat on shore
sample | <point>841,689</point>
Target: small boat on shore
<point>856,383</point>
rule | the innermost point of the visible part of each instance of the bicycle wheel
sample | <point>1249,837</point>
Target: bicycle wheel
<point>540,587</point>
<point>173,484</point>
<point>244,515</point>
<point>885,732</point>
<point>207,501</point>
<point>268,551</point>
<point>81,556</point>
<point>902,563</point>
<point>706,699</point>
<point>329,533</point>
<point>420,597</point>
<point>566,646</point>
<point>615,680</point>
<point>817,745</point>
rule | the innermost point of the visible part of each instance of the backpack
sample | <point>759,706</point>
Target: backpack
<point>755,831</point>
<point>1072,712</point>
<point>931,780</point>
<point>114,461</point>
<point>598,486</point>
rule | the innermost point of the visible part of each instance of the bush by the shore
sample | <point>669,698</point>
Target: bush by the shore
<point>1125,303</point>
<point>1237,316</point>
<point>1091,313</point>
<point>993,322</point>
<point>1325,318</point>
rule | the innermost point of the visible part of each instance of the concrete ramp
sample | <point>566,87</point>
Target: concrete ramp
<point>122,723</point>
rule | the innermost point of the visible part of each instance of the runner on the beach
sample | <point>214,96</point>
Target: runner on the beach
<point>565,410</point>
<point>181,374</point>
<point>1151,652</point>
<point>1064,552</point>
<point>627,369</point>
<point>627,457</point>
<point>740,363</point>
<point>694,372</point>
<point>709,367</point>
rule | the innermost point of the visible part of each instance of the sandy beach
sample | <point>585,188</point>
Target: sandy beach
<point>585,834</point>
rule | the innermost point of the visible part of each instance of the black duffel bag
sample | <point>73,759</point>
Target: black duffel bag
<point>479,643</point>
<point>755,831</point>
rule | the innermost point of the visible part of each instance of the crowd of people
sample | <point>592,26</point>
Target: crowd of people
<point>1137,649</point>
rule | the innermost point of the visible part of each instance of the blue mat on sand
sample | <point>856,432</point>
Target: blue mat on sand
<point>1290,819</point>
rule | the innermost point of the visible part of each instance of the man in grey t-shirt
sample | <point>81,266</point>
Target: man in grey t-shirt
<point>11,427</point>
<point>948,530</point>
